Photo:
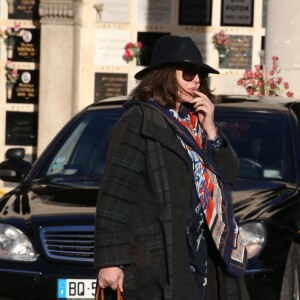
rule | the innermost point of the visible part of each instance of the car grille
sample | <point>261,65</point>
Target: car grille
<point>71,243</point>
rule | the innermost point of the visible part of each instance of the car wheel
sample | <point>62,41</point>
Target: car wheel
<point>290,289</point>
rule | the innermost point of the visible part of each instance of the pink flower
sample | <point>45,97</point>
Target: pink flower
<point>15,73</point>
<point>260,84</point>
<point>220,40</point>
<point>250,92</point>
<point>255,83</point>
<point>259,74</point>
<point>9,64</point>
<point>240,82</point>
<point>249,73</point>
<point>17,27</point>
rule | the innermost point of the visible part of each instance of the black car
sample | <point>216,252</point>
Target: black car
<point>47,222</point>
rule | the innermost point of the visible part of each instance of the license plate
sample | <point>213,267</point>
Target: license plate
<point>76,288</point>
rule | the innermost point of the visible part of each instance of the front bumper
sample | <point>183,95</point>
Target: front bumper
<point>38,281</point>
<point>263,284</point>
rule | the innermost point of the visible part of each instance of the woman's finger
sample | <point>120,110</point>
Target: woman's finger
<point>102,284</point>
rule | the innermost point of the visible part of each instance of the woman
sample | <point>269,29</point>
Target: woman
<point>164,223</point>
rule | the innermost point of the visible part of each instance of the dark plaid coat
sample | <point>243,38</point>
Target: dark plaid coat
<point>142,207</point>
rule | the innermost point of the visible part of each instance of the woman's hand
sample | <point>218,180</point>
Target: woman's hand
<point>111,277</point>
<point>206,114</point>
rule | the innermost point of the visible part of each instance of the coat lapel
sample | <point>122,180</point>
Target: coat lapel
<point>155,127</point>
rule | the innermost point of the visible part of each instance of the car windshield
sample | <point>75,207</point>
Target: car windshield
<point>262,143</point>
<point>83,150</point>
<point>260,140</point>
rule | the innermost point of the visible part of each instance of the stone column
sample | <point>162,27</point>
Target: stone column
<point>282,40</point>
<point>56,68</point>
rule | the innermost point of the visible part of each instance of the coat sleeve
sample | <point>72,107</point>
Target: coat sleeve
<point>227,160</point>
<point>116,194</point>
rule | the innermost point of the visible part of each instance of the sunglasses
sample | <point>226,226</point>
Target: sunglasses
<point>189,72</point>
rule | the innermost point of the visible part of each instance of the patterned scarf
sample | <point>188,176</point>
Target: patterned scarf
<point>211,190</point>
<point>202,176</point>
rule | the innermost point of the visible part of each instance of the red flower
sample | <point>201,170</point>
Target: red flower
<point>132,50</point>
<point>128,46</point>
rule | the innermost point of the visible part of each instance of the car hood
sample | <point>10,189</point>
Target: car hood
<point>42,199</point>
<point>254,200</point>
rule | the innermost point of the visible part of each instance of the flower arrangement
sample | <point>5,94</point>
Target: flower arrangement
<point>256,83</point>
<point>12,74</point>
<point>221,41</point>
<point>11,33</point>
<point>133,50</point>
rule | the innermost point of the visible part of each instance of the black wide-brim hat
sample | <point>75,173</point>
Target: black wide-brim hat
<point>175,50</point>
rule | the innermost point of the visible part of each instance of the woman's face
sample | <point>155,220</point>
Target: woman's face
<point>188,79</point>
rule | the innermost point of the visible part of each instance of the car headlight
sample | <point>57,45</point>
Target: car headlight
<point>14,244</point>
<point>254,236</point>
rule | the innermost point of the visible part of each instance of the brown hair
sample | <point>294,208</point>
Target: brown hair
<point>161,85</point>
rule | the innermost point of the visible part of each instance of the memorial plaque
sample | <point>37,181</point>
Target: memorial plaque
<point>148,39</point>
<point>195,12</point>
<point>237,13</point>
<point>27,47</point>
<point>21,128</point>
<point>239,55</point>
<point>26,89</point>
<point>25,10</point>
<point>154,12</point>
<point>109,47</point>
<point>110,85</point>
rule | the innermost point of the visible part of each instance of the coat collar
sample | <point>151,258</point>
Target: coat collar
<point>155,126</point>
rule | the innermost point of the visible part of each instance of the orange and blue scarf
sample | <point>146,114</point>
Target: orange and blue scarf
<point>212,192</point>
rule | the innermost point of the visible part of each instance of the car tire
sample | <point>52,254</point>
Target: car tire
<point>290,289</point>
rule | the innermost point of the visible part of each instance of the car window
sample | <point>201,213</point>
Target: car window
<point>262,143</point>
<point>84,146</point>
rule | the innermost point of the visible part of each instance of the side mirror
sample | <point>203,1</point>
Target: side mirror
<point>14,168</point>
